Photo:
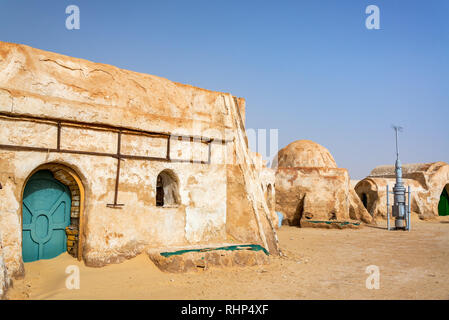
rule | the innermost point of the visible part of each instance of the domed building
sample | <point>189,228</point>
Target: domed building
<point>312,191</point>
<point>305,153</point>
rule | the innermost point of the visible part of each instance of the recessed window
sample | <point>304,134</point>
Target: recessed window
<point>167,192</point>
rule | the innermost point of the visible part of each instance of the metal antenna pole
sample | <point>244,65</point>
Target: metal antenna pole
<point>399,209</point>
<point>396,129</point>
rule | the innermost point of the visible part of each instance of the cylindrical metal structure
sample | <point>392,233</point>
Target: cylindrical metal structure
<point>399,207</point>
<point>400,210</point>
<point>388,208</point>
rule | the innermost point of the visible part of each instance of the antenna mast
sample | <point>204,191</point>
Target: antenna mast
<point>401,211</point>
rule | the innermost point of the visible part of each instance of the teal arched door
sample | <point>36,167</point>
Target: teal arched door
<point>46,214</point>
<point>443,205</point>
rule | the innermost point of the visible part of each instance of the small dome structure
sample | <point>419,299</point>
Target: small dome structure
<point>312,191</point>
<point>304,153</point>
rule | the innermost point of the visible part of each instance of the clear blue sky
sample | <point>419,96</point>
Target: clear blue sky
<point>309,68</point>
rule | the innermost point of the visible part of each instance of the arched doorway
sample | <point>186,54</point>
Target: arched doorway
<point>46,213</point>
<point>167,193</point>
<point>299,212</point>
<point>52,213</point>
<point>443,205</point>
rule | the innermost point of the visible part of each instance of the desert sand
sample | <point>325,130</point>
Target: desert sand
<point>317,264</point>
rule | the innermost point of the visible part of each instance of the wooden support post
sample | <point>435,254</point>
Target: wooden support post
<point>117,177</point>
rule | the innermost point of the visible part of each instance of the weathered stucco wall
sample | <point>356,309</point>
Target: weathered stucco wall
<point>35,83</point>
<point>267,181</point>
<point>240,223</point>
<point>312,193</point>
<point>244,179</point>
<point>4,277</point>
<point>110,233</point>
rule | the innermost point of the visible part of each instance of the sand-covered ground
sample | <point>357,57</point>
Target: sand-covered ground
<point>318,264</point>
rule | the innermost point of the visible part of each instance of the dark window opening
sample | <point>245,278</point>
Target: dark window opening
<point>167,193</point>
<point>365,200</point>
<point>159,192</point>
<point>299,213</point>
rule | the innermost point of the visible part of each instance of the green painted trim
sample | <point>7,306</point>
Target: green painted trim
<point>253,247</point>
<point>343,223</point>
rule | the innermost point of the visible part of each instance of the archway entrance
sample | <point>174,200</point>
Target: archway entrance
<point>46,213</point>
<point>443,205</point>
<point>299,212</point>
<point>52,213</point>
